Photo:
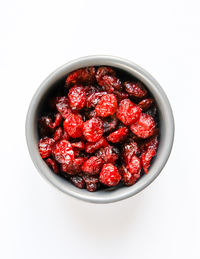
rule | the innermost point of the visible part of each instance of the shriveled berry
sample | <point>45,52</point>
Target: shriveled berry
<point>107,154</point>
<point>90,90</point>
<point>45,146</point>
<point>73,125</point>
<point>83,75</point>
<point>78,181</point>
<point>80,145</point>
<point>128,112</point>
<point>52,163</point>
<point>92,147</point>
<point>151,143</point>
<point>145,104</point>
<point>120,95</point>
<point>65,135</point>
<point>127,178</point>
<point>135,89</point>
<point>58,134</point>
<point>62,151</point>
<point>146,159</point>
<point>110,83</point>
<point>129,149</point>
<point>74,167</point>
<point>144,127</point>
<point>93,129</point>
<point>77,97</point>
<point>94,98</point>
<point>91,182</point>
<point>110,123</point>
<point>134,166</point>
<point>118,135</point>
<point>103,71</point>
<point>47,126</point>
<point>109,175</point>
<point>92,166</point>
<point>107,105</point>
<point>62,105</point>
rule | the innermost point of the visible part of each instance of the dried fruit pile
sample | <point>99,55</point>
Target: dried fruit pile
<point>102,129</point>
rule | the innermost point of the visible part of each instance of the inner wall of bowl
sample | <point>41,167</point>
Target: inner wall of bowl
<point>65,186</point>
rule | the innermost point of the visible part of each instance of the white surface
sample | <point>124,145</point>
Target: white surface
<point>37,221</point>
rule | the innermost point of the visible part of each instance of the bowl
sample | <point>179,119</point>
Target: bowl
<point>166,129</point>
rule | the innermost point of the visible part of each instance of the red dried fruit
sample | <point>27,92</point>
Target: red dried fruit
<point>92,166</point>
<point>45,146</point>
<point>129,150</point>
<point>58,134</point>
<point>145,104</point>
<point>77,97</point>
<point>107,105</point>
<point>120,95</point>
<point>127,178</point>
<point>91,182</point>
<point>90,90</point>
<point>128,112</point>
<point>118,135</point>
<point>110,83</point>
<point>110,124</point>
<point>91,147</point>
<point>79,145</point>
<point>109,175</point>
<point>78,181</point>
<point>62,151</point>
<point>135,89</point>
<point>144,127</point>
<point>134,166</point>
<point>74,167</point>
<point>107,154</point>
<point>73,125</point>
<point>52,163</point>
<point>103,71</point>
<point>83,75</point>
<point>65,135</point>
<point>146,158</point>
<point>93,129</point>
<point>62,105</point>
<point>46,126</point>
<point>94,98</point>
<point>151,143</point>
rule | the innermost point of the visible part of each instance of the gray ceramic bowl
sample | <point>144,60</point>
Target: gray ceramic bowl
<point>166,129</point>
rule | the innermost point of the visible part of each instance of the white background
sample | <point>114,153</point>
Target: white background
<point>37,221</point>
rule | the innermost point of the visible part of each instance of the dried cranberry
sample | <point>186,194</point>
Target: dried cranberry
<point>151,143</point>
<point>79,145</point>
<point>78,181</point>
<point>110,124</point>
<point>128,112</point>
<point>107,154</point>
<point>91,182</point>
<point>46,126</point>
<point>93,129</point>
<point>109,175</point>
<point>52,163</point>
<point>92,166</point>
<point>110,83</point>
<point>127,178</point>
<point>90,90</point>
<point>134,166</point>
<point>45,146</point>
<point>103,71</point>
<point>135,89</point>
<point>74,167</point>
<point>94,98</point>
<point>120,95</point>
<point>107,105</point>
<point>145,104</point>
<point>62,105</point>
<point>129,150</point>
<point>58,134</point>
<point>77,97</point>
<point>73,125</point>
<point>146,158</point>
<point>62,151</point>
<point>144,127</point>
<point>118,135</point>
<point>83,75</point>
<point>91,147</point>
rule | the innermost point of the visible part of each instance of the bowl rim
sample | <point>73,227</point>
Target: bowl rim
<point>167,119</point>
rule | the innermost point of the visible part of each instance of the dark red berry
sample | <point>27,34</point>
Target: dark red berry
<point>47,126</point>
<point>45,146</point>
<point>135,89</point>
<point>93,129</point>
<point>103,71</point>
<point>128,112</point>
<point>62,105</point>
<point>92,166</point>
<point>73,125</point>
<point>78,181</point>
<point>52,163</point>
<point>110,83</point>
<point>79,145</point>
<point>129,150</point>
<point>77,97</point>
<point>83,75</point>
<point>127,178</point>
<point>58,134</point>
<point>92,147</point>
<point>91,182</point>
<point>145,104</point>
<point>151,143</point>
<point>110,124</point>
<point>146,158</point>
<point>107,105</point>
<point>120,95</point>
<point>62,151</point>
<point>144,127</point>
<point>74,167</point>
<point>94,98</point>
<point>118,135</point>
<point>107,154</point>
<point>134,166</point>
<point>90,90</point>
<point>109,175</point>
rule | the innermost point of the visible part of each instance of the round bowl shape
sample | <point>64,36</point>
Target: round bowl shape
<point>166,129</point>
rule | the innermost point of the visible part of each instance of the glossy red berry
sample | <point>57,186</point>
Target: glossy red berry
<point>128,112</point>
<point>109,175</point>
<point>92,147</point>
<point>52,163</point>
<point>146,158</point>
<point>78,181</point>
<point>77,97</point>
<point>94,98</point>
<point>145,104</point>
<point>62,105</point>
<point>129,150</point>
<point>91,182</point>
<point>118,135</point>
<point>135,89</point>
<point>62,151</point>
<point>93,129</point>
<point>120,95</point>
<point>110,83</point>
<point>74,167</point>
<point>58,134</point>
<point>80,145</point>
<point>73,125</point>
<point>134,166</point>
<point>92,166</point>
<point>83,75</point>
<point>107,105</point>
<point>45,146</point>
<point>103,71</point>
<point>107,154</point>
<point>127,178</point>
<point>110,123</point>
<point>144,127</point>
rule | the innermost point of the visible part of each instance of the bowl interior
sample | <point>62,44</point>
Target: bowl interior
<point>55,81</point>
